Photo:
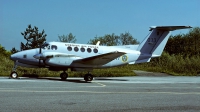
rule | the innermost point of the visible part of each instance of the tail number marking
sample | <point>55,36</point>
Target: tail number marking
<point>152,40</point>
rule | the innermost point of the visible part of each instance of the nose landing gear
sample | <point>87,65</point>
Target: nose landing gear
<point>14,74</point>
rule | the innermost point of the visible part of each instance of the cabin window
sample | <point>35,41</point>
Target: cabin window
<point>69,48</point>
<point>76,49</point>
<point>54,47</point>
<point>82,49</point>
<point>95,50</point>
<point>89,50</point>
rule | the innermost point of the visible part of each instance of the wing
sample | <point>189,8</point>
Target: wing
<point>99,59</point>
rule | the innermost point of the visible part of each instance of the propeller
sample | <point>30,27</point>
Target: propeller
<point>42,56</point>
<point>39,55</point>
<point>40,52</point>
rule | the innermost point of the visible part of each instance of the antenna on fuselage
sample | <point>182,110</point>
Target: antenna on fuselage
<point>97,44</point>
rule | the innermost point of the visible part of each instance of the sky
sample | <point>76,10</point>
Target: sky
<point>86,19</point>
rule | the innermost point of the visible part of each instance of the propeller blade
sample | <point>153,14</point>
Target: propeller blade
<point>38,56</point>
<point>40,50</point>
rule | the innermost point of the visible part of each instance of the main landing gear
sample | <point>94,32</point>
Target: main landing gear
<point>87,77</point>
<point>14,74</point>
<point>63,76</point>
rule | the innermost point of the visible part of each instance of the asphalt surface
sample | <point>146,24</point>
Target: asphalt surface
<point>138,94</point>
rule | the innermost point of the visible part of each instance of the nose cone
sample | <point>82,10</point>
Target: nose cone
<point>13,57</point>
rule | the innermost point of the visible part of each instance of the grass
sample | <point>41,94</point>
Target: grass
<point>177,65</point>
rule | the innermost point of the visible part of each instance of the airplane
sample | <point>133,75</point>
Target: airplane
<point>60,56</point>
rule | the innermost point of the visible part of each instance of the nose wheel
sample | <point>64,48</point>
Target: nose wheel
<point>63,76</point>
<point>88,77</point>
<point>14,74</point>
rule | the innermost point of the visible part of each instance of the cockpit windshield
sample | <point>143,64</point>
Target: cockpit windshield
<point>45,46</point>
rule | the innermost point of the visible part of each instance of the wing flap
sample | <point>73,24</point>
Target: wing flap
<point>99,59</point>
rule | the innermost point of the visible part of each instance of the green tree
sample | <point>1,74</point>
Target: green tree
<point>4,52</point>
<point>127,39</point>
<point>33,37</point>
<point>114,40</point>
<point>67,38</point>
<point>109,40</point>
<point>185,44</point>
<point>14,50</point>
<point>194,36</point>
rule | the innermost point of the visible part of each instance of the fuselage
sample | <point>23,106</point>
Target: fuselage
<point>65,53</point>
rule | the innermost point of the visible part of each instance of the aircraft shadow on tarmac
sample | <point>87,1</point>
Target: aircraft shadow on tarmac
<point>72,80</point>
<point>67,80</point>
<point>109,79</point>
<point>35,76</point>
<point>54,79</point>
<point>82,81</point>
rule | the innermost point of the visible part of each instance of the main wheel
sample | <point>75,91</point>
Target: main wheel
<point>14,75</point>
<point>88,77</point>
<point>63,76</point>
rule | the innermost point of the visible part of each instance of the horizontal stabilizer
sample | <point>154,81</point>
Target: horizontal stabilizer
<point>169,28</point>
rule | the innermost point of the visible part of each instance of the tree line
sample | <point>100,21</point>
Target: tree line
<point>185,44</point>
<point>34,39</point>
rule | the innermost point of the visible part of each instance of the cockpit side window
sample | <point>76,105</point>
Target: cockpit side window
<point>24,56</point>
<point>45,46</point>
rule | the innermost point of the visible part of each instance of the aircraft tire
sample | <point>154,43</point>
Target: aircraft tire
<point>63,76</point>
<point>88,77</point>
<point>14,75</point>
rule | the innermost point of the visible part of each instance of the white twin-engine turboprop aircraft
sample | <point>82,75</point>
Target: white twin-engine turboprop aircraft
<point>59,56</point>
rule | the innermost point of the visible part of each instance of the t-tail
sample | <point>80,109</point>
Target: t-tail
<point>154,43</point>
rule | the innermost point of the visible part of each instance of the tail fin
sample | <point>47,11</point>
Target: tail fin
<point>155,42</point>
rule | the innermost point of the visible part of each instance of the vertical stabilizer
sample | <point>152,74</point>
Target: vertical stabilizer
<point>155,42</point>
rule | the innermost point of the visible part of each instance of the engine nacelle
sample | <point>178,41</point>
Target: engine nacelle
<point>61,60</point>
